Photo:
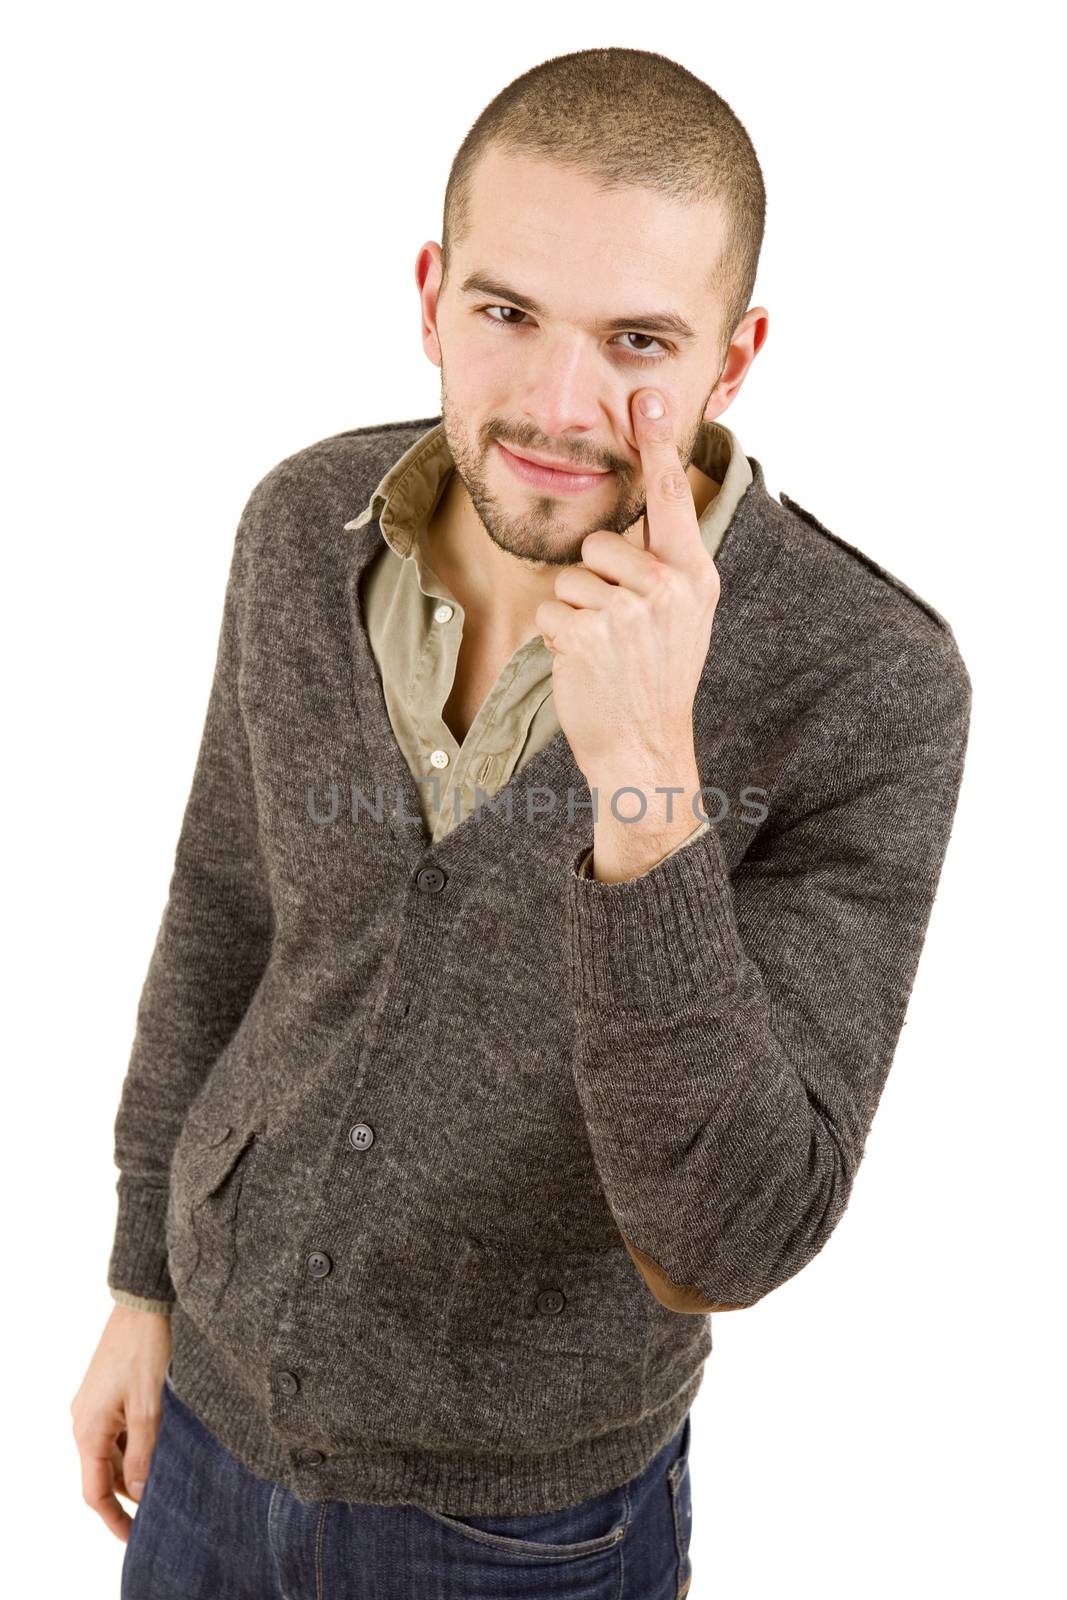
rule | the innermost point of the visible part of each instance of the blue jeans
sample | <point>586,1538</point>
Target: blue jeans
<point>208,1529</point>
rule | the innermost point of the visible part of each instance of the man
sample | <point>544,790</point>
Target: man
<point>449,1124</point>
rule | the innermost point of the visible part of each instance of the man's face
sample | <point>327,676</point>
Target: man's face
<point>558,382</point>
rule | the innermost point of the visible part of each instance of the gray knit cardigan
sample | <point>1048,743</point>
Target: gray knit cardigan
<point>393,1107</point>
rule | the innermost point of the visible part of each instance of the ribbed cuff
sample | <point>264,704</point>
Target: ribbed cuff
<point>138,1262</point>
<point>651,939</point>
<point>136,1302</point>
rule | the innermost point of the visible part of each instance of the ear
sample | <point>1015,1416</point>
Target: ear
<point>428,275</point>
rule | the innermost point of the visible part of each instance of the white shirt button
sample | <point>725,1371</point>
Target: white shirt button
<point>439,758</point>
<point>443,613</point>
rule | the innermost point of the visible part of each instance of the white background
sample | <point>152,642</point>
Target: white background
<point>212,219</point>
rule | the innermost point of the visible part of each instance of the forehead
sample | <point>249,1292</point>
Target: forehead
<point>543,226</point>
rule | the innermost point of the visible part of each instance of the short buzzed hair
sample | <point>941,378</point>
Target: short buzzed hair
<point>628,118</point>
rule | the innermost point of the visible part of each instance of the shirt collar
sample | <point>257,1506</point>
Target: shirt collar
<point>407,494</point>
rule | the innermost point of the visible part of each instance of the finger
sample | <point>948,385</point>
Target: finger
<point>609,562</point>
<point>141,1430</point>
<point>118,1476</point>
<point>673,530</point>
<point>552,619</point>
<point>586,586</point>
<point>98,1489</point>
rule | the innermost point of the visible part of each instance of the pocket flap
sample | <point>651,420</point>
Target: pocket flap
<point>214,1150</point>
<point>211,1130</point>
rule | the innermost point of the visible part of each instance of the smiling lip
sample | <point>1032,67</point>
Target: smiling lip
<point>561,482</point>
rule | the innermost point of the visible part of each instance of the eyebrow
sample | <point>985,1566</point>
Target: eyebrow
<point>647,321</point>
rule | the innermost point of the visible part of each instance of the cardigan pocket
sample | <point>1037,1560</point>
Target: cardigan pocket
<point>211,1161</point>
<point>538,1348</point>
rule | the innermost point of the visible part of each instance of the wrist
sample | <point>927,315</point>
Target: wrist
<point>644,807</point>
<point>653,799</point>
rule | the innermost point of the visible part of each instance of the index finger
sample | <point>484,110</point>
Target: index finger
<point>98,1481</point>
<point>672,528</point>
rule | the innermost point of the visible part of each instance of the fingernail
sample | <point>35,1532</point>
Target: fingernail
<point>651,405</point>
<point>137,1490</point>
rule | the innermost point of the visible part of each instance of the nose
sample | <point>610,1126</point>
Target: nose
<point>564,399</point>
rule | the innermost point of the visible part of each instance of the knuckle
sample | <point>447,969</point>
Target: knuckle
<point>673,485</point>
<point>665,585</point>
<point>624,604</point>
<point>141,1414</point>
<point>710,579</point>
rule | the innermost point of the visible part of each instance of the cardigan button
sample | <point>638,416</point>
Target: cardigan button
<point>549,1301</point>
<point>361,1136</point>
<point>318,1264</point>
<point>310,1458</point>
<point>286,1382</point>
<point>430,880</point>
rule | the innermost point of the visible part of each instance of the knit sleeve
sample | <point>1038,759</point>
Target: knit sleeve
<point>210,952</point>
<point>734,1030</point>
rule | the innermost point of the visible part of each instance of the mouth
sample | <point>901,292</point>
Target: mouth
<point>555,479</point>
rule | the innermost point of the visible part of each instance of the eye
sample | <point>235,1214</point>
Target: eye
<point>631,355</point>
